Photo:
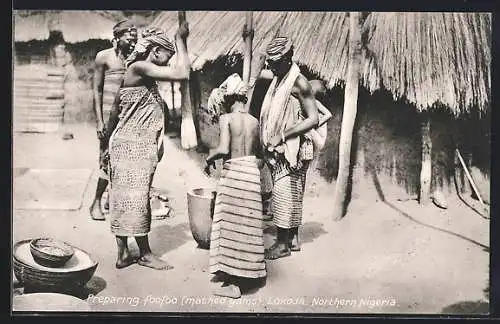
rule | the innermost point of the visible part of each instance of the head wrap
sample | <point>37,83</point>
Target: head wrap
<point>150,37</point>
<point>278,47</point>
<point>122,27</point>
<point>233,85</point>
<point>158,37</point>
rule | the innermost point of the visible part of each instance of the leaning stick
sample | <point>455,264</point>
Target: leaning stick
<point>188,130</point>
<point>470,178</point>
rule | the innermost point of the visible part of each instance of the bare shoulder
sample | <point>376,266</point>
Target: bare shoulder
<point>252,119</point>
<point>224,118</point>
<point>142,66</point>
<point>301,86</point>
<point>102,57</point>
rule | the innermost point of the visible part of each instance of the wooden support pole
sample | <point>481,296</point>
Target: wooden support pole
<point>248,38</point>
<point>188,130</point>
<point>348,116</point>
<point>426,168</point>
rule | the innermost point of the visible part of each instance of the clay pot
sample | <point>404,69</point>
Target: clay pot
<point>201,203</point>
<point>75,273</point>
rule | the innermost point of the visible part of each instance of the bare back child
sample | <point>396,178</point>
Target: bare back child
<point>239,131</point>
<point>236,243</point>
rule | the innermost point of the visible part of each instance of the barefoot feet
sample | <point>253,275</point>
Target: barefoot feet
<point>152,261</point>
<point>277,251</point>
<point>96,212</point>
<point>294,244</point>
<point>227,290</point>
<point>125,260</point>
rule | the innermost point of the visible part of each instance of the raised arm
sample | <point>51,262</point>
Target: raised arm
<point>160,73</point>
<point>302,90</point>
<point>98,86</point>
<point>180,71</point>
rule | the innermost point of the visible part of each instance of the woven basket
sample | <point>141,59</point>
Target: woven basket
<point>47,279</point>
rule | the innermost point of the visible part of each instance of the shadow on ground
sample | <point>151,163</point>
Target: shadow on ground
<point>462,199</point>
<point>380,193</point>
<point>165,238</point>
<point>467,307</point>
<point>93,287</point>
<point>16,172</point>
<point>308,232</point>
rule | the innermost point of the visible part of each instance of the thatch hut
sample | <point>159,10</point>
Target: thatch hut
<point>76,25</point>
<point>215,34</point>
<point>81,34</point>
<point>387,131</point>
<point>432,60</point>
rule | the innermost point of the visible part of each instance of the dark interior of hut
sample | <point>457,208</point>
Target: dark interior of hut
<point>387,131</point>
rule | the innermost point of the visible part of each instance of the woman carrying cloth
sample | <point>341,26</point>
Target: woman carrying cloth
<point>136,127</point>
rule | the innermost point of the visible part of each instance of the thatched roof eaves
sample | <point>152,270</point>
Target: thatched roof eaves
<point>75,25</point>
<point>430,58</point>
<point>216,33</point>
<point>427,58</point>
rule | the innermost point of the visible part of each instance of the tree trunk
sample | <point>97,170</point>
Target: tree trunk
<point>247,59</point>
<point>349,115</point>
<point>188,131</point>
<point>426,170</point>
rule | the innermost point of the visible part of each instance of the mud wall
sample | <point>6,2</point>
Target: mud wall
<point>79,71</point>
<point>386,142</point>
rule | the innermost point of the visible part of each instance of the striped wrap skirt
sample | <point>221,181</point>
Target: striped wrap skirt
<point>237,237</point>
<point>288,194</point>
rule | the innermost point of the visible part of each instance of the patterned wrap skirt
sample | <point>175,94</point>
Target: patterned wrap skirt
<point>237,237</point>
<point>133,152</point>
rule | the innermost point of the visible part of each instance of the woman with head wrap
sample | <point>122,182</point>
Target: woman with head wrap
<point>136,126</point>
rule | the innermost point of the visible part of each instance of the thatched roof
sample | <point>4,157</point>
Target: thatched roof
<point>430,58</point>
<point>76,26</point>
<point>216,33</point>
<point>426,57</point>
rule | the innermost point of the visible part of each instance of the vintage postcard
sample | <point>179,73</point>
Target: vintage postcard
<point>251,162</point>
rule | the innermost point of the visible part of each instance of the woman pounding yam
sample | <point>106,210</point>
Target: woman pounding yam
<point>136,127</point>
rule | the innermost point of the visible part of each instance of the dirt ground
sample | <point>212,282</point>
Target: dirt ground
<point>388,255</point>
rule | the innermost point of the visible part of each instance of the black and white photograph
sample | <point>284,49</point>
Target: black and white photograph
<point>253,162</point>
